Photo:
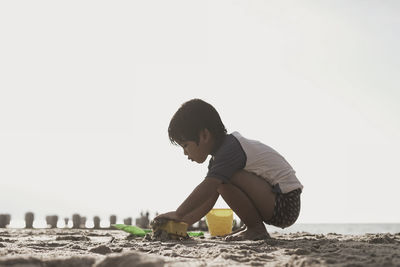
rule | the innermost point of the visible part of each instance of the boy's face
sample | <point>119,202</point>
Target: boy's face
<point>198,152</point>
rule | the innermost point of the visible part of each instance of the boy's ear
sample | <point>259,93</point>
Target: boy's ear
<point>205,135</point>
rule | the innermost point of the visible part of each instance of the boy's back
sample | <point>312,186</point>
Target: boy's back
<point>269,164</point>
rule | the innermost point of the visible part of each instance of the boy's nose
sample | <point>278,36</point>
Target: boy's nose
<point>184,152</point>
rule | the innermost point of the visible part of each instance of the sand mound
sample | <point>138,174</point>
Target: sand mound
<point>102,249</point>
<point>131,259</point>
<point>128,259</point>
<point>36,262</point>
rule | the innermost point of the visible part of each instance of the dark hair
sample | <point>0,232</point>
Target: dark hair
<point>192,117</point>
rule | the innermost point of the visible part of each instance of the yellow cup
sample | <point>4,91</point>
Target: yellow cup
<point>219,221</point>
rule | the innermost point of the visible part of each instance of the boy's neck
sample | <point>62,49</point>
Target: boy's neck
<point>217,145</point>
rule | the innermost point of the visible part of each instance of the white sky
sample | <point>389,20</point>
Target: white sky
<point>87,89</point>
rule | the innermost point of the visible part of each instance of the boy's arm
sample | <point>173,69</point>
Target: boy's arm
<point>198,203</point>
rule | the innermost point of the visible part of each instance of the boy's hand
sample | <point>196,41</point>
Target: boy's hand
<point>169,216</point>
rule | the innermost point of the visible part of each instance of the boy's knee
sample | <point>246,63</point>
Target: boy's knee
<point>222,188</point>
<point>238,176</point>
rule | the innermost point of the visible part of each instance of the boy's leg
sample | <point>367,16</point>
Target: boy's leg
<point>252,199</point>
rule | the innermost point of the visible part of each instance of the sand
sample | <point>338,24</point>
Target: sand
<point>106,248</point>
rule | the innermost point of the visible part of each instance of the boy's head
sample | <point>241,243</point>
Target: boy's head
<point>193,117</point>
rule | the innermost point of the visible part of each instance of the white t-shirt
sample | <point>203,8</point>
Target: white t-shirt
<point>237,153</point>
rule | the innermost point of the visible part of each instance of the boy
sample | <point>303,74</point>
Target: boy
<point>255,181</point>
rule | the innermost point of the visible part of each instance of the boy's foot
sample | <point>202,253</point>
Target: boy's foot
<point>249,234</point>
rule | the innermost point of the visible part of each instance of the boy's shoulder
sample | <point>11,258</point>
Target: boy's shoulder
<point>227,159</point>
<point>229,144</point>
<point>235,139</point>
<point>234,143</point>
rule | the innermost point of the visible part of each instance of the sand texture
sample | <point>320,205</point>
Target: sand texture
<point>106,248</point>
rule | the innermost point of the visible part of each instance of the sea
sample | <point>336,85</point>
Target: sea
<point>313,228</point>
